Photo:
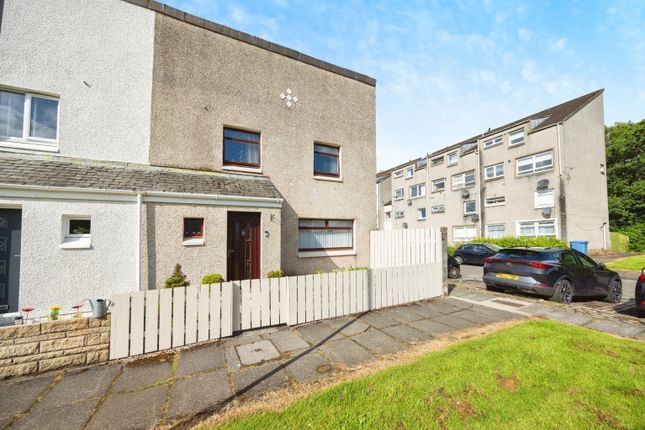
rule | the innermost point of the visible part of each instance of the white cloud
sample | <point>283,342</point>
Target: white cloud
<point>558,44</point>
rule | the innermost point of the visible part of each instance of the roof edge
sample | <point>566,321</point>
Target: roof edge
<point>223,30</point>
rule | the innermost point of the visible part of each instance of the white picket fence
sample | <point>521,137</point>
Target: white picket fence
<point>154,320</point>
<point>405,247</point>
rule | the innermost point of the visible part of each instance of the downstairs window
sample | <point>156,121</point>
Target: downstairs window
<point>325,235</point>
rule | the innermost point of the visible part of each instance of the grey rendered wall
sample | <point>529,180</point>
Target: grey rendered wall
<point>51,276</point>
<point>97,57</point>
<point>410,210</point>
<point>204,81</point>
<point>162,225</point>
<point>583,158</point>
<point>385,195</point>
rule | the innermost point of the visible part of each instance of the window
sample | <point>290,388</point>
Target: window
<point>453,158</point>
<point>77,232</point>
<point>418,190</point>
<point>436,161</point>
<point>326,160</point>
<point>495,201</point>
<point>495,230</point>
<point>586,261</point>
<point>28,117</point>
<point>535,163</point>
<point>493,142</point>
<point>398,194</point>
<point>470,207</point>
<point>438,209</point>
<point>241,148</point>
<point>421,213</point>
<point>569,259</point>
<point>409,172</point>
<point>536,228</point>
<point>325,235</point>
<point>399,214</point>
<point>544,199</point>
<point>463,180</point>
<point>398,173</point>
<point>494,171</point>
<point>193,231</point>
<point>464,233</point>
<point>516,137</point>
<point>438,185</point>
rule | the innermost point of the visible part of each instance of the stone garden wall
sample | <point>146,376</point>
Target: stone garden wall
<point>35,348</point>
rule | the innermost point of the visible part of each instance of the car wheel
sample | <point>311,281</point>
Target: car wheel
<point>614,291</point>
<point>459,259</point>
<point>453,272</point>
<point>563,292</point>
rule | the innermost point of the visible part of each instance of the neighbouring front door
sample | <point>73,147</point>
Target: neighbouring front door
<point>10,221</point>
<point>243,246</point>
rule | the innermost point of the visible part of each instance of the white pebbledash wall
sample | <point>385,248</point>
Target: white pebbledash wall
<point>97,60</point>
<point>51,276</point>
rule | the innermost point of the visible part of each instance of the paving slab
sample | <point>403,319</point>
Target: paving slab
<point>17,395</point>
<point>232,360</point>
<point>455,302</point>
<point>422,311</point>
<point>478,317</point>
<point>569,317</point>
<point>402,314</point>
<point>286,340</point>
<point>378,321</point>
<point>135,410</point>
<point>453,320</point>
<point>318,332</point>
<point>440,307</point>
<point>378,342</point>
<point>499,314</point>
<point>200,359</point>
<point>538,310</point>
<point>143,374</point>
<point>308,366</point>
<point>346,352</point>
<point>348,326</point>
<point>240,339</point>
<point>83,384</point>
<point>626,330</point>
<point>406,334</point>
<point>70,417</point>
<point>4,422</point>
<point>433,327</point>
<point>257,352</point>
<point>256,380</point>
<point>201,392</point>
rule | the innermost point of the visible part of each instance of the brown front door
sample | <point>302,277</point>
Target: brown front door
<point>243,246</point>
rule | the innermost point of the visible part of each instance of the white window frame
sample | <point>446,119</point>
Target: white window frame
<point>540,196</point>
<point>75,240</point>
<point>462,182</point>
<point>488,226</point>
<point>409,172</point>
<point>495,175</point>
<point>425,214</point>
<point>398,173</point>
<point>536,229</point>
<point>399,214</point>
<point>532,158</point>
<point>489,143</point>
<point>422,190</point>
<point>496,203</point>
<point>435,182</point>
<point>467,237</point>
<point>437,161</point>
<point>438,209</point>
<point>516,132</point>
<point>455,161</point>
<point>474,211</point>
<point>396,194</point>
<point>26,141</point>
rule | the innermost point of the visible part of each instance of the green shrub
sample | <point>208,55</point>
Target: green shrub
<point>212,278</point>
<point>451,249</point>
<point>177,279</point>
<point>276,274</point>
<point>508,242</point>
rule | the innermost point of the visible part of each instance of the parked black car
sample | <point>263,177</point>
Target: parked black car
<point>639,295</point>
<point>475,253</point>
<point>560,274</point>
<point>454,270</point>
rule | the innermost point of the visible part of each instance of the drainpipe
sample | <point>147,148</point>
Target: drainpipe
<point>378,205</point>
<point>138,262</point>
<point>481,193</point>
<point>562,203</point>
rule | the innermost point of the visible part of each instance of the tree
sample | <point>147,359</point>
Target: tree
<point>626,180</point>
<point>177,279</point>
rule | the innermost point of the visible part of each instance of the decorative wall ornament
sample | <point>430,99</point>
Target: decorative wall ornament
<point>289,98</point>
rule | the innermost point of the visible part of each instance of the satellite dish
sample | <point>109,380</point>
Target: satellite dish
<point>465,194</point>
<point>405,225</point>
<point>409,202</point>
<point>475,218</point>
<point>542,184</point>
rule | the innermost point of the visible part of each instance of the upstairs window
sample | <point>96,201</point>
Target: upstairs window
<point>421,214</point>
<point>516,137</point>
<point>241,148</point>
<point>418,190</point>
<point>438,209</point>
<point>470,207</point>
<point>325,234</point>
<point>453,158</point>
<point>493,142</point>
<point>436,161</point>
<point>326,160</point>
<point>398,194</point>
<point>544,199</point>
<point>438,184</point>
<point>535,163</point>
<point>398,173</point>
<point>494,171</point>
<point>409,172</point>
<point>463,180</point>
<point>495,201</point>
<point>399,214</point>
<point>29,117</point>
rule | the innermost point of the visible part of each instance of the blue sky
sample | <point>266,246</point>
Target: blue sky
<point>448,70</point>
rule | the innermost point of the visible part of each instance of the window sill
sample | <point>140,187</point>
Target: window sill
<point>516,145</point>
<point>243,169</point>
<point>328,178</point>
<point>312,254</point>
<point>521,175</point>
<point>76,243</point>
<point>492,146</point>
<point>20,144</point>
<point>421,219</point>
<point>196,241</point>
<point>417,197</point>
<point>493,179</point>
<point>452,164</point>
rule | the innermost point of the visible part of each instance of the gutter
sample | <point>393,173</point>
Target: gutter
<point>138,262</point>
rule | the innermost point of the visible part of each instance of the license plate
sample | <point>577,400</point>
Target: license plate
<point>507,276</point>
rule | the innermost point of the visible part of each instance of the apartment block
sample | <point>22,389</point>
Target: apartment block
<point>541,175</point>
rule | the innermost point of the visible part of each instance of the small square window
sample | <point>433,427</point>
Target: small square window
<point>421,213</point>
<point>453,158</point>
<point>77,232</point>
<point>79,227</point>
<point>409,172</point>
<point>193,228</point>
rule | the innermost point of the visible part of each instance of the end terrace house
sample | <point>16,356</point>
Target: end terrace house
<point>134,136</point>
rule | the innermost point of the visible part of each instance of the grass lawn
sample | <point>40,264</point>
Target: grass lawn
<point>535,375</point>
<point>636,262</point>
